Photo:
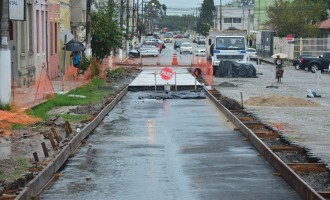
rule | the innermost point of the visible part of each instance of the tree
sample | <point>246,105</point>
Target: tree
<point>180,23</point>
<point>298,17</point>
<point>325,14</point>
<point>206,17</point>
<point>154,12</point>
<point>105,31</point>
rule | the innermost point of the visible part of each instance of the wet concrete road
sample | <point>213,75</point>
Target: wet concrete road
<point>169,149</point>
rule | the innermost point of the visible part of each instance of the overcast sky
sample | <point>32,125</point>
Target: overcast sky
<point>179,7</point>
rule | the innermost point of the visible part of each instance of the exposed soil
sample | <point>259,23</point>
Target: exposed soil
<point>280,101</point>
<point>22,143</point>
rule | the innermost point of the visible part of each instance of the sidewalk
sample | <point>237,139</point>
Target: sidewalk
<point>29,97</point>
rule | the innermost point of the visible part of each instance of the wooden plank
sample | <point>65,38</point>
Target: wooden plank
<point>308,167</point>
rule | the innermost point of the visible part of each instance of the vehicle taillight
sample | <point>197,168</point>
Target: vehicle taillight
<point>301,60</point>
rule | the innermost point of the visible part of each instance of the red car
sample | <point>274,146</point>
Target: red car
<point>178,36</point>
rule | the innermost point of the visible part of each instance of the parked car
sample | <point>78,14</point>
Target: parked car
<point>296,60</point>
<point>315,63</point>
<point>149,49</point>
<point>252,53</point>
<point>200,50</point>
<point>177,43</point>
<point>186,47</point>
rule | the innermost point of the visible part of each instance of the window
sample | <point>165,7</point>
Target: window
<point>30,27</point>
<point>227,20</point>
<point>55,37</point>
<point>23,34</point>
<point>51,38</point>
<point>43,31</point>
<point>237,20</point>
<point>38,31</point>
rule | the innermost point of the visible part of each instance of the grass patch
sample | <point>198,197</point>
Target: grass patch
<point>92,91</point>
<point>5,107</point>
<point>13,168</point>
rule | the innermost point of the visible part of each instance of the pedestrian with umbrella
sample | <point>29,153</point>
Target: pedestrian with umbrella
<point>75,47</point>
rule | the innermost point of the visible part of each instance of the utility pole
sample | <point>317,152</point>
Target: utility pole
<point>88,29</point>
<point>137,19</point>
<point>127,27</point>
<point>120,52</point>
<point>248,28</point>
<point>143,17</point>
<point>127,19</point>
<point>220,21</point>
<point>133,17</point>
<point>5,57</point>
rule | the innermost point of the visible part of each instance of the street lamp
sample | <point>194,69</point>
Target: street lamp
<point>143,3</point>
<point>150,12</point>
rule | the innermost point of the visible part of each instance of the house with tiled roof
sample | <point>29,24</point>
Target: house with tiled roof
<point>325,28</point>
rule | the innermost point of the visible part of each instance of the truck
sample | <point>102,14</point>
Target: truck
<point>222,46</point>
<point>312,63</point>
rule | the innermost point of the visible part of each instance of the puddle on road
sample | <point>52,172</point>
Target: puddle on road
<point>176,95</point>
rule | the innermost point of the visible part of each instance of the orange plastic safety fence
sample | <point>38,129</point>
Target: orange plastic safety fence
<point>206,68</point>
<point>7,119</point>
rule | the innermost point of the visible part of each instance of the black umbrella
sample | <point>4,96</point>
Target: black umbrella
<point>74,45</point>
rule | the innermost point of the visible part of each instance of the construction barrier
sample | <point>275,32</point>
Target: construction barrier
<point>175,59</point>
<point>205,69</point>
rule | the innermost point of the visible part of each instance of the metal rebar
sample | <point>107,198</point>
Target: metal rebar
<point>44,148</point>
<point>35,156</point>
<point>51,139</point>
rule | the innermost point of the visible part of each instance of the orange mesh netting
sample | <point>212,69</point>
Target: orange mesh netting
<point>71,73</point>
<point>44,87</point>
<point>7,119</point>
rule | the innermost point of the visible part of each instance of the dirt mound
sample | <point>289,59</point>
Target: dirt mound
<point>280,101</point>
<point>226,84</point>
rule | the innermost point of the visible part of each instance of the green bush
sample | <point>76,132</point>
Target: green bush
<point>84,63</point>
<point>118,72</point>
<point>5,107</point>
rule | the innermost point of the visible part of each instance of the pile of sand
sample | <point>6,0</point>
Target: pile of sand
<point>280,101</point>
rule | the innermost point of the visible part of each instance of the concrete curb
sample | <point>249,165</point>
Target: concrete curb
<point>36,185</point>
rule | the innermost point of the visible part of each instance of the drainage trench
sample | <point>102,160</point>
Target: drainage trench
<point>309,177</point>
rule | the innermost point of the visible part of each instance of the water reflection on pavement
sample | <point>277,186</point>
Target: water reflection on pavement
<point>166,149</point>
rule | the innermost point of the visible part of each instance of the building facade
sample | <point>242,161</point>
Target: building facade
<point>233,17</point>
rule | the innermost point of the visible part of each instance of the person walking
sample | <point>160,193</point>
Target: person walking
<point>76,58</point>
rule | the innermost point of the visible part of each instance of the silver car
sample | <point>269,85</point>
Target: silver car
<point>200,50</point>
<point>186,47</point>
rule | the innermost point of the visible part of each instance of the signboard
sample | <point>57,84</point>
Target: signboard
<point>289,37</point>
<point>68,34</point>
<point>166,73</point>
<point>17,10</point>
